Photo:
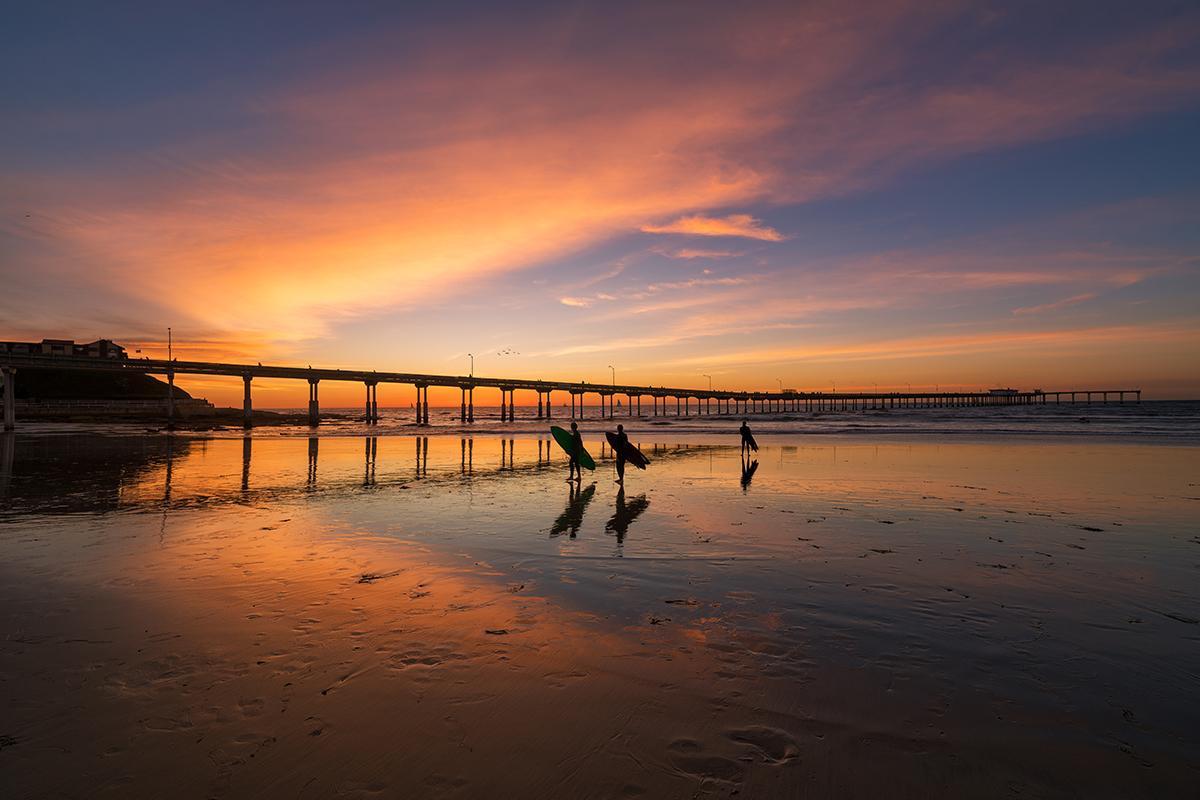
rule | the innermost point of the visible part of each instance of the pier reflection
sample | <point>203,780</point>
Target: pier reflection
<point>247,446</point>
<point>313,450</point>
<point>40,473</point>
<point>8,450</point>
<point>422,457</point>
<point>370,452</point>
<point>87,472</point>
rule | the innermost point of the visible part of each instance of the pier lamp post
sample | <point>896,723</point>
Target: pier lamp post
<point>780,382</point>
<point>614,374</point>
<point>706,375</point>
<point>472,357</point>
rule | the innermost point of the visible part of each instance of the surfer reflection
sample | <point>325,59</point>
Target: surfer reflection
<point>575,471</point>
<point>572,517</point>
<point>749,467</point>
<point>625,515</point>
<point>748,443</point>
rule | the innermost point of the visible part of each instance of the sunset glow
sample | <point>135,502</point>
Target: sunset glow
<point>899,194</point>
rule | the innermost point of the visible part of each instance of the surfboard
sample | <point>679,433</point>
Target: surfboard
<point>564,439</point>
<point>632,454</point>
<point>750,441</point>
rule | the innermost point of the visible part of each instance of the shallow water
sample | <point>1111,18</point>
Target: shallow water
<point>440,616</point>
<point>1161,421</point>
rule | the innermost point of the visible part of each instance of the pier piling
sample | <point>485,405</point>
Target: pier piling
<point>247,406</point>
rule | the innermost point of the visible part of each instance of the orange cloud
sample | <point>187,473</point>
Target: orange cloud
<point>742,225</point>
<point>400,179</point>
<point>939,346</point>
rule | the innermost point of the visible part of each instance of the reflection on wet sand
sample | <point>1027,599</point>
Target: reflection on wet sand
<point>147,470</point>
<point>247,451</point>
<point>625,514</point>
<point>970,620</point>
<point>571,519</point>
<point>8,451</point>
<point>749,467</point>
<point>370,454</point>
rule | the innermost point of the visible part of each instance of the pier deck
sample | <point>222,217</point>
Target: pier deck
<point>706,401</point>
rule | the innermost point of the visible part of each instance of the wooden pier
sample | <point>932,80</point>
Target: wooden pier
<point>663,401</point>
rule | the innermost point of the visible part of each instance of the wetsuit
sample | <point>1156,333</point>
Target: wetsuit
<point>576,449</point>
<point>622,443</point>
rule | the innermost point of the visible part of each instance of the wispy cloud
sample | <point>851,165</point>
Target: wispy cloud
<point>406,173</point>
<point>989,341</point>
<point>1055,306</point>
<point>741,225</point>
<point>689,253</point>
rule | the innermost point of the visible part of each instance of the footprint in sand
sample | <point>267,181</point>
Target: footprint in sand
<point>775,746</point>
<point>688,756</point>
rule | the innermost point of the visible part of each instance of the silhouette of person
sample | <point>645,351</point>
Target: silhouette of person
<point>575,472</point>
<point>622,443</point>
<point>748,443</point>
<point>572,517</point>
<point>625,514</point>
<point>748,469</point>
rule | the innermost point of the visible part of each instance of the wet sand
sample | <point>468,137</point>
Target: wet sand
<point>409,617</point>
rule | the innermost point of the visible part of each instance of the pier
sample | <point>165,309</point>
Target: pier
<point>662,400</point>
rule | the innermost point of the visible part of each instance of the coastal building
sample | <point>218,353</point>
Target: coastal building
<point>101,348</point>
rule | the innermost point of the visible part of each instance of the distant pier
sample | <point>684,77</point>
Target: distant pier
<point>662,400</point>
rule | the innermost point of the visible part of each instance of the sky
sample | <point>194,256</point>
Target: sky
<point>807,195</point>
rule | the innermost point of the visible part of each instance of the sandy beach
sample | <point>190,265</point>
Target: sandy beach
<point>438,617</point>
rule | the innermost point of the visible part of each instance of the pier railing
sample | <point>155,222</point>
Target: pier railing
<point>686,400</point>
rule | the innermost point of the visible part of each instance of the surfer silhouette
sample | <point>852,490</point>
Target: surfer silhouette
<point>620,446</point>
<point>748,443</point>
<point>575,471</point>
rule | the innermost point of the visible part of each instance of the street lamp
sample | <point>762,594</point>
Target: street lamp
<point>472,357</point>
<point>614,374</point>
<point>780,382</point>
<point>170,356</point>
<point>706,375</point>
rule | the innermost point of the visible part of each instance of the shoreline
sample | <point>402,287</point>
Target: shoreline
<point>663,434</point>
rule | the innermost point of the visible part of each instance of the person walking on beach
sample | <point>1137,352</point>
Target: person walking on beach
<point>575,471</point>
<point>619,446</point>
<point>748,443</point>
